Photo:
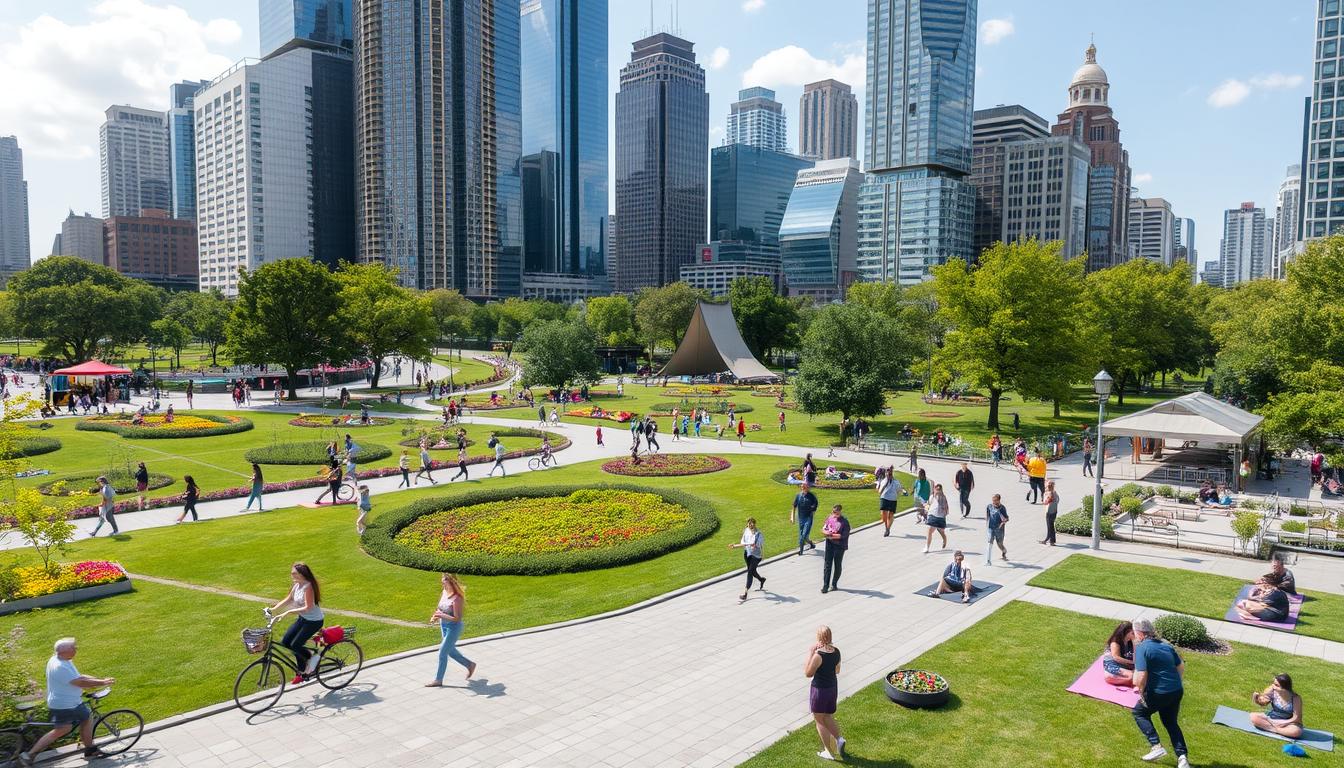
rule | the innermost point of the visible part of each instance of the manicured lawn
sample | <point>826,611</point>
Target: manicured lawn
<point>1010,707</point>
<point>467,369</point>
<point>194,356</point>
<point>1180,590</point>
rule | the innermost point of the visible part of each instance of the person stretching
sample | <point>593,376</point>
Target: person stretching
<point>1267,601</point>
<point>1118,660</point>
<point>1284,715</point>
<point>956,578</point>
<point>752,546</point>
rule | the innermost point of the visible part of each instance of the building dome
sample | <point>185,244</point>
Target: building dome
<point>1089,85</point>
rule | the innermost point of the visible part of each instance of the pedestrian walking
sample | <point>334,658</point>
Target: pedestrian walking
<point>741,430</point>
<point>804,507</point>
<point>937,517</point>
<point>1158,677</point>
<point>461,465</point>
<point>65,703</point>
<point>996,521</point>
<point>913,463</point>
<point>333,483</point>
<point>499,458</point>
<point>599,435</point>
<point>996,449</point>
<point>189,499</point>
<point>923,490</point>
<point>141,483</point>
<point>450,613</point>
<point>107,506</point>
<point>1087,457</point>
<point>889,491</point>
<point>964,482</point>
<point>257,485</point>
<point>541,415</point>
<point>1051,512</point>
<point>404,464</point>
<point>191,390</point>
<point>781,421</point>
<point>752,545</point>
<point>426,466</point>
<point>365,507</point>
<point>823,667</point>
<point>836,531</point>
<point>1036,475</point>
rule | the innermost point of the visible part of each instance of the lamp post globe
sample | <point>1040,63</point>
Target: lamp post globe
<point>1101,385</point>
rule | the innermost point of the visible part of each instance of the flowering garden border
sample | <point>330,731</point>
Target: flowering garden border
<point>666,465</point>
<point>318,420</point>
<point>380,538</point>
<point>121,425</point>
<point>84,580</point>
<point>76,483</point>
<point>782,476</point>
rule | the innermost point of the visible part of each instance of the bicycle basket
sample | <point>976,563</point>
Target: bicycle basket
<point>256,640</point>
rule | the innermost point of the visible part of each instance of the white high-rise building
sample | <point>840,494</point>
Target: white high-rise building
<point>1152,230</point>
<point>14,247</point>
<point>1242,253</point>
<point>1287,207</point>
<point>133,153</point>
<point>757,119</point>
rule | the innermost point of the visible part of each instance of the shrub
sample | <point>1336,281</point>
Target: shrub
<point>1186,497</point>
<point>1297,511</point>
<point>311,452</point>
<point>192,425</point>
<point>33,446</point>
<point>346,420</point>
<point>87,482</point>
<point>712,407</point>
<point>1079,523</point>
<point>848,484</point>
<point>1165,491</point>
<point>502,507</point>
<point>1245,525</point>
<point>1185,631</point>
<point>1131,506</point>
<point>667,465</point>
<point>1293,526</point>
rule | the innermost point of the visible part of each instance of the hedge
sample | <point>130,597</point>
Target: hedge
<point>122,482</point>
<point>867,483</point>
<point>379,540</point>
<point>665,409</point>
<point>33,446</point>
<point>227,426</point>
<point>311,452</point>
<point>1079,523</point>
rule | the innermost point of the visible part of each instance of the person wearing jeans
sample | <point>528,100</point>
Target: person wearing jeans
<point>449,613</point>
<point>1051,512</point>
<point>258,484</point>
<point>836,531</point>
<point>753,547</point>
<point>996,520</point>
<point>107,506</point>
<point>1158,676</point>
<point>304,598</point>
<point>804,507</point>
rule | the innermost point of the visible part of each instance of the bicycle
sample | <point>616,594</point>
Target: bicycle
<point>348,489</point>
<point>113,732</point>
<point>261,683</point>
<point>542,461</point>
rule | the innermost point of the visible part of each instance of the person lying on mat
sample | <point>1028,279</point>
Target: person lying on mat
<point>1206,493</point>
<point>1222,500</point>
<point>956,578</point>
<point>1284,715</point>
<point>1286,581</point>
<point>1267,601</point>
<point>1118,660</point>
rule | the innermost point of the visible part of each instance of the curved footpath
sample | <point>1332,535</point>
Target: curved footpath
<point>691,679</point>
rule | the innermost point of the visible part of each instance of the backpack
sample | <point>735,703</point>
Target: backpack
<point>492,442</point>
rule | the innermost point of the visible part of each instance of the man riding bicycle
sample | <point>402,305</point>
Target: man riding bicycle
<point>65,701</point>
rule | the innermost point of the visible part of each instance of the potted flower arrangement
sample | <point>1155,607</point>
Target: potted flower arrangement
<point>917,688</point>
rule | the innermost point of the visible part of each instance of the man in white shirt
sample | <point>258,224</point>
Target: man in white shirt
<point>65,700</point>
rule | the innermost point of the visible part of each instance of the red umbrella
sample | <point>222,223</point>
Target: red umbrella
<point>91,368</point>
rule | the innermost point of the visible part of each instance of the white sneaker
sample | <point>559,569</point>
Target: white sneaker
<point>1156,753</point>
<point>824,755</point>
<point>840,742</point>
<point>926,550</point>
<point>312,665</point>
<point>1182,762</point>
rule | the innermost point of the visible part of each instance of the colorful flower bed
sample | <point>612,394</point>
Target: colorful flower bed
<point>154,426</point>
<point>312,452</point>
<point>539,530</point>
<point>794,476</point>
<point>344,420</point>
<point>24,582</point>
<point>666,465</point>
<point>439,440</point>
<point>696,390</point>
<point>87,482</point>
<point>721,407</point>
<point>597,412</point>
<point>917,681</point>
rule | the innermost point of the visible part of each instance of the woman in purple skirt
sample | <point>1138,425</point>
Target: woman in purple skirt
<point>823,666</point>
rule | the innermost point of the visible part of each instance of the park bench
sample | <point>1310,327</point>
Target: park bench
<point>1158,521</point>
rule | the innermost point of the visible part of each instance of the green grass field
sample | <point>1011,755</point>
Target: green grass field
<point>1009,706</point>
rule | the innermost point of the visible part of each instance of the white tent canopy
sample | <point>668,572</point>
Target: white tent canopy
<point>713,344</point>
<point>1194,417</point>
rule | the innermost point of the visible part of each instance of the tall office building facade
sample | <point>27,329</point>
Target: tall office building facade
<point>828,121</point>
<point>133,155</point>
<point>81,237</point>
<point>564,147</point>
<point>1090,120</point>
<point>182,147</point>
<point>818,247</point>
<point>749,191</point>
<point>1045,192</point>
<point>438,137</point>
<point>15,254</point>
<point>991,131</point>
<point>1287,208</point>
<point>1184,237</point>
<point>318,24</point>
<point>1323,193</point>
<point>757,120</point>
<point>916,207</point>
<point>1152,230</point>
<point>1242,253</point>
<point>662,138</point>
<point>153,247</point>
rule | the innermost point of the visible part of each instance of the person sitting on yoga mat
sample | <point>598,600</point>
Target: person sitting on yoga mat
<point>1286,581</point>
<point>1284,715</point>
<point>956,578</point>
<point>1267,601</point>
<point>1118,660</point>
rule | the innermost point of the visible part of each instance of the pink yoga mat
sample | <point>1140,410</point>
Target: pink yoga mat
<point>1294,610</point>
<point>1092,684</point>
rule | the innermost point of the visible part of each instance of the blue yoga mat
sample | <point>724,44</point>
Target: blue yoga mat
<point>1235,718</point>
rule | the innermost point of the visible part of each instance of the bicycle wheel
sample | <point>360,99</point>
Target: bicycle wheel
<point>118,731</point>
<point>345,492</point>
<point>259,686</point>
<point>534,463</point>
<point>339,663</point>
<point>11,744</point>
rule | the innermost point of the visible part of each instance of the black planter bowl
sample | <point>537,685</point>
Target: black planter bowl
<point>917,700</point>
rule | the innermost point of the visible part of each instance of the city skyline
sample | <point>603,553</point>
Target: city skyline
<point>1249,86</point>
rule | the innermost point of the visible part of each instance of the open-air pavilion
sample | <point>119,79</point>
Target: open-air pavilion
<point>713,345</point>
<point>1190,438</point>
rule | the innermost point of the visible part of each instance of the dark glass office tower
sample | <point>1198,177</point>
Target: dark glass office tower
<point>564,146</point>
<point>749,191</point>
<point>310,23</point>
<point>182,148</point>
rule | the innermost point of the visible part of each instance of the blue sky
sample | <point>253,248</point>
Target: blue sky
<point>1208,92</point>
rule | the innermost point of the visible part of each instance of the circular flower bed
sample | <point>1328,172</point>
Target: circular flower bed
<point>438,441</point>
<point>32,446</point>
<point>940,415</point>
<point>311,452</point>
<point>665,409</point>
<point>539,530</point>
<point>917,688</point>
<point>667,465</point>
<point>345,420</point>
<point>154,426</point>
<point>87,482</point>
<point>853,482</point>
<point>597,412</point>
<point>34,581</point>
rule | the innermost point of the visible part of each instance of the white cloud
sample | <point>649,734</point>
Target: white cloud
<point>719,58</point>
<point>752,6</point>
<point>994,31</point>
<point>1232,91</point>
<point>1141,178</point>
<point>792,65</point>
<point>59,78</point>
<point>1276,81</point>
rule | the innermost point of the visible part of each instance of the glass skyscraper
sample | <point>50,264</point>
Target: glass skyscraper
<point>817,237</point>
<point>182,148</point>
<point>310,23</point>
<point>749,190</point>
<point>438,135</point>
<point>916,206</point>
<point>14,250</point>
<point>1322,191</point>
<point>564,144</point>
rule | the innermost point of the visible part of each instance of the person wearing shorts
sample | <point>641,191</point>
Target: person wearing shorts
<point>65,702</point>
<point>889,490</point>
<point>937,517</point>
<point>823,667</point>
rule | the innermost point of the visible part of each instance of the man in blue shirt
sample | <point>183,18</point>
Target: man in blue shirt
<point>1158,673</point>
<point>65,702</point>
<point>996,517</point>
<point>804,507</point>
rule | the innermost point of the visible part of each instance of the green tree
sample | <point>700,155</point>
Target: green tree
<point>850,356</point>
<point>1311,413</point>
<point>205,313</point>
<point>451,312</point>
<point>169,333</point>
<point>612,319</point>
<point>77,309</point>
<point>8,324</point>
<point>484,323</point>
<point>559,353</point>
<point>662,314</point>
<point>288,314</point>
<point>1013,321</point>
<point>381,317</point>
<point>1247,324</point>
<point>765,319</point>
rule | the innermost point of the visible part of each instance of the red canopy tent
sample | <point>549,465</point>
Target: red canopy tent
<point>91,368</point>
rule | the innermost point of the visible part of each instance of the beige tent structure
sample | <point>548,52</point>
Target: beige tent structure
<point>1196,419</point>
<point>713,344</point>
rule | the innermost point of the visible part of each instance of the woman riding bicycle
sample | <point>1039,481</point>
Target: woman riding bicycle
<point>304,599</point>
<point>545,450</point>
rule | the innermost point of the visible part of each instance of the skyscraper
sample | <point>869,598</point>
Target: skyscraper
<point>991,131</point>
<point>133,154</point>
<point>828,121</point>
<point>817,237</point>
<point>757,120</point>
<point>319,24</point>
<point>1323,193</point>
<point>182,147</point>
<point>1287,204</point>
<point>564,147</point>
<point>1152,230</point>
<point>1045,192</point>
<point>15,254</point>
<point>1242,253</point>
<point>662,137</point>
<point>153,247</point>
<point>1089,119</point>
<point>1186,251</point>
<point>438,139</point>
<point>749,190</point>
<point>916,207</point>
<point>81,237</point>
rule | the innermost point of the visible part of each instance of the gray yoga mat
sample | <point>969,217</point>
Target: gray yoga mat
<point>979,590</point>
<point>1235,718</point>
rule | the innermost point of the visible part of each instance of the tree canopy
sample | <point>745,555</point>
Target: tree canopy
<point>206,314</point>
<point>79,310</point>
<point>559,353</point>
<point>662,314</point>
<point>765,319</point>
<point>381,317</point>
<point>850,355</point>
<point>612,319</point>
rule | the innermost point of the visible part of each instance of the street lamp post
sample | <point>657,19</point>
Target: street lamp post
<point>1101,384</point>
